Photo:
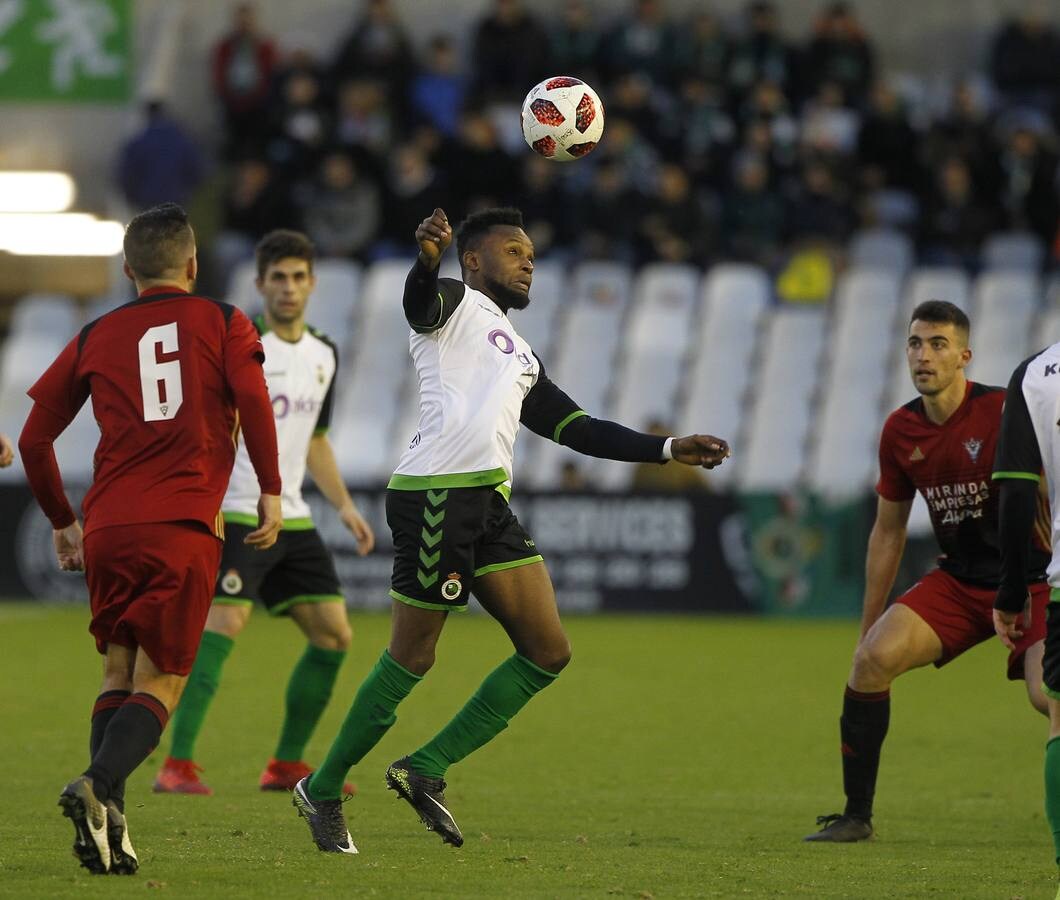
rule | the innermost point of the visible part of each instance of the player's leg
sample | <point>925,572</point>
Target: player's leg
<point>901,639</point>
<point>90,816</point>
<point>238,584</point>
<point>512,584</point>
<point>1025,661</point>
<point>305,586</point>
<point>1051,686</point>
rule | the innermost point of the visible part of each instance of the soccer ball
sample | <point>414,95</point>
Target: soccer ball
<point>563,118</point>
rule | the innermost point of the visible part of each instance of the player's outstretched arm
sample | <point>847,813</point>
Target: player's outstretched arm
<point>35,444</point>
<point>884,553</point>
<point>7,451</point>
<point>325,471</point>
<point>428,302</point>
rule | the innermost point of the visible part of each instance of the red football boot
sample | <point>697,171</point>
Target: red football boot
<point>179,776</point>
<point>281,775</point>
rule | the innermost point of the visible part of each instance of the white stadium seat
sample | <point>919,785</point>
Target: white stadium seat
<point>55,314</point>
<point>585,354</point>
<point>735,297</point>
<point>780,413</point>
<point>1013,250</point>
<point>374,378</point>
<point>333,305</point>
<point>842,459</point>
<point>881,248</point>
<point>653,353</point>
<point>1006,301</point>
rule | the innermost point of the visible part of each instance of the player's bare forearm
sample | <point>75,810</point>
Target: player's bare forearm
<point>324,470</point>
<point>7,452</point>
<point>882,559</point>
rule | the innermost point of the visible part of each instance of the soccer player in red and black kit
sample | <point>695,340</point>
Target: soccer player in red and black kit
<point>942,445</point>
<point>172,376</point>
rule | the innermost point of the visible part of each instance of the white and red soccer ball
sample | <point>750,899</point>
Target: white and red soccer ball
<point>563,118</point>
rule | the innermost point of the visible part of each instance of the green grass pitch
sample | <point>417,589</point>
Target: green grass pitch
<point>676,757</point>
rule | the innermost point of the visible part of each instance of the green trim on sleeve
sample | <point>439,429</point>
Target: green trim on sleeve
<point>577,414</point>
<point>320,432</point>
<point>1049,692</point>
<point>1024,476</point>
<point>485,478</point>
<point>423,604</point>
<point>514,564</point>
<point>1054,595</point>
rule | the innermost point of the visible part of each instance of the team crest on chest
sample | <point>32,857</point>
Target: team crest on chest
<point>973,446</point>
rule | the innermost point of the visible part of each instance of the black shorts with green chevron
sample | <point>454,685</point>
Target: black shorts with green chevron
<point>445,539</point>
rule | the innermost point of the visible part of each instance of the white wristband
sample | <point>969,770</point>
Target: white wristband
<point>668,452</point>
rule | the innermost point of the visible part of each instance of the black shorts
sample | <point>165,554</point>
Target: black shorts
<point>1051,658</point>
<point>445,539</point>
<point>296,569</point>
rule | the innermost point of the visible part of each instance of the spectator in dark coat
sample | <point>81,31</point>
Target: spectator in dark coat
<point>839,52</point>
<point>1025,61</point>
<point>510,53</point>
<point>160,164</point>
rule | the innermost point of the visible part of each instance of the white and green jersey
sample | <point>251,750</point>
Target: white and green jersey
<point>300,377</point>
<point>474,372</point>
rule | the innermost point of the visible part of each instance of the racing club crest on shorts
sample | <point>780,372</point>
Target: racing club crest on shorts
<point>231,583</point>
<point>451,587</point>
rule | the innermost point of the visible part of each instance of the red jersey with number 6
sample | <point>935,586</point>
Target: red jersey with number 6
<point>951,465</point>
<point>158,371</point>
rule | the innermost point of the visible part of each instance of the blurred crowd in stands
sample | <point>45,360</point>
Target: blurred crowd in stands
<point>724,139</point>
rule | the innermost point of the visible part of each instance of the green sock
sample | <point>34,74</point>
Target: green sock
<point>308,692</point>
<point>505,691</point>
<point>198,693</point>
<point>1052,791</point>
<point>369,718</point>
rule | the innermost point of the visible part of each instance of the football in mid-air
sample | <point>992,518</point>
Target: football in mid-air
<point>563,118</point>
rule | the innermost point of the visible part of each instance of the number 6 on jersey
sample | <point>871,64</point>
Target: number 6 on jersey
<point>160,381</point>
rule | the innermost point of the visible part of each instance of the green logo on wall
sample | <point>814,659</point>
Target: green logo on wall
<point>65,50</point>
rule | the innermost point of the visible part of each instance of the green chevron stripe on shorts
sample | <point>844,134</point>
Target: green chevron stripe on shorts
<point>431,534</point>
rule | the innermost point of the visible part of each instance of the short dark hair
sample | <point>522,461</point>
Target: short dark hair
<point>283,243</point>
<point>942,312</point>
<point>158,240</point>
<point>478,224</point>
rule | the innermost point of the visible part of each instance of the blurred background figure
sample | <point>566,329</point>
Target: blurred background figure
<point>161,163</point>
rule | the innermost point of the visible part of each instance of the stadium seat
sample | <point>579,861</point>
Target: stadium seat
<point>23,359</point>
<point>1013,250</point>
<point>55,314</point>
<point>585,354</point>
<point>842,456</point>
<point>780,414</point>
<point>374,379</point>
<point>537,323</point>
<point>734,298</point>
<point>1006,301</point>
<point>241,289</point>
<point>652,355</point>
<point>333,305</point>
<point>881,248</point>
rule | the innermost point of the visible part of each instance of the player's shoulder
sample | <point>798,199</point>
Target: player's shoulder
<point>904,415</point>
<point>320,337</point>
<point>1043,364</point>
<point>989,395</point>
<point>131,312</point>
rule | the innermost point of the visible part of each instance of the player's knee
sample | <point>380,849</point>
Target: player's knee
<point>553,658</point>
<point>336,636</point>
<point>227,619</point>
<point>877,660</point>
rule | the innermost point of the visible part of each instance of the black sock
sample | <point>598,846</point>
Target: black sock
<point>107,705</point>
<point>862,727</point>
<point>131,735</point>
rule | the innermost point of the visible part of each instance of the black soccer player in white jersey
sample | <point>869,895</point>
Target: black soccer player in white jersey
<point>447,507</point>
